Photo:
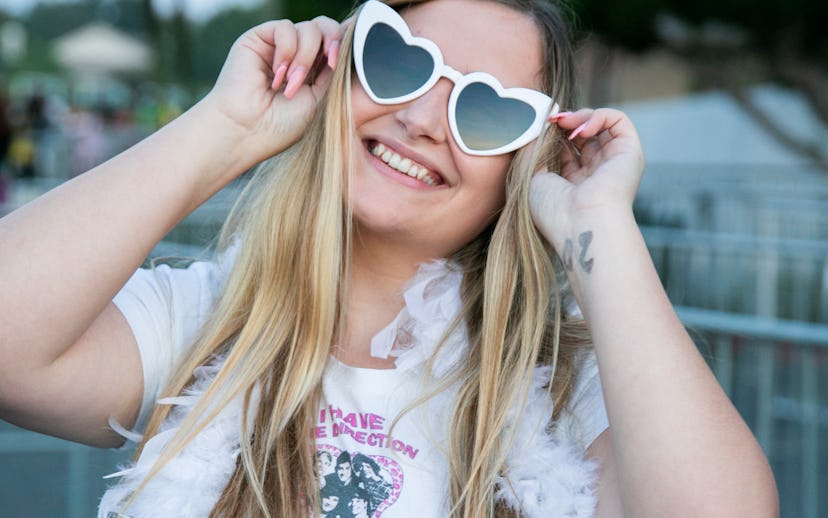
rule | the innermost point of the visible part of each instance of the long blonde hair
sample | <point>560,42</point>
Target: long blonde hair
<point>283,306</point>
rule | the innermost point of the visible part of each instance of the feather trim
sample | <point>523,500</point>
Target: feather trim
<point>545,475</point>
<point>190,484</point>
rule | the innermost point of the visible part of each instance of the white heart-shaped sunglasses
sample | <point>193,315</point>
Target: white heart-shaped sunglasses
<point>395,67</point>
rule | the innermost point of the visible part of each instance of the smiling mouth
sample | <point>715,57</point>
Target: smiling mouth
<point>404,165</point>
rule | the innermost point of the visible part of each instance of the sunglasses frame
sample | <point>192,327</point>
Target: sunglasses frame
<point>374,12</point>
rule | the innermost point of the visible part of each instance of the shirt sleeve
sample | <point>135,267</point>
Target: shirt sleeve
<point>165,308</point>
<point>585,415</point>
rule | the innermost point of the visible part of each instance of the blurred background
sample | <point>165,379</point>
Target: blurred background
<point>730,98</point>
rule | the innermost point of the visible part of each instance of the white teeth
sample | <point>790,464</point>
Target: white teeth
<point>403,165</point>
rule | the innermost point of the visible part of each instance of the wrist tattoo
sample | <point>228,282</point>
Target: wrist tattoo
<point>584,240</point>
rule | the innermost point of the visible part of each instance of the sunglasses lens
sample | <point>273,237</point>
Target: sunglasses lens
<point>392,67</point>
<point>487,121</point>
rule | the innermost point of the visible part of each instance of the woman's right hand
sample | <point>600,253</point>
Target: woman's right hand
<point>264,88</point>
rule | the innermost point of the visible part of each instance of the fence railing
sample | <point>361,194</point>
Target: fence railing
<point>773,371</point>
<point>769,276</point>
<point>42,476</point>
<point>756,305</point>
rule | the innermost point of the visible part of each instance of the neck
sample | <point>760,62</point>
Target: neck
<point>378,274</point>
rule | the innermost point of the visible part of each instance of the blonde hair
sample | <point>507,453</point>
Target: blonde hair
<point>282,309</point>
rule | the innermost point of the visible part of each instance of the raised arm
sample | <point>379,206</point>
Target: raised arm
<point>676,446</point>
<point>68,359</point>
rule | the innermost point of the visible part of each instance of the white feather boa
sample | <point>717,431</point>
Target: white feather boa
<point>545,474</point>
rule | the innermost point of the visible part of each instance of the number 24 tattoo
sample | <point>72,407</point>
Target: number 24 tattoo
<point>584,240</point>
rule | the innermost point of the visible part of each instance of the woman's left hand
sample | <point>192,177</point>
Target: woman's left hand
<point>600,173</point>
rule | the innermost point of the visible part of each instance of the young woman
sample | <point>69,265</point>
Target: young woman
<point>417,279</point>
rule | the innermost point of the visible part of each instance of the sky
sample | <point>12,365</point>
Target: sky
<point>196,9</point>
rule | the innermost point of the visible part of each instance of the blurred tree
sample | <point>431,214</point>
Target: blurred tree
<point>47,21</point>
<point>182,46</point>
<point>52,19</point>
<point>307,9</point>
<point>217,35</point>
<point>152,27</point>
<point>729,45</point>
<point>274,9</point>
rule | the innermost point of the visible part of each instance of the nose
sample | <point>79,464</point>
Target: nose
<point>426,117</point>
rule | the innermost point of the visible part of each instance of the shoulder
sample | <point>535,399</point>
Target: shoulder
<point>175,291</point>
<point>165,307</point>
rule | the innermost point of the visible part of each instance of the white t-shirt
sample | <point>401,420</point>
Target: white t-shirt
<point>363,462</point>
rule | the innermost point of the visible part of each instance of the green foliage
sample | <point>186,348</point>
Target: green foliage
<point>214,38</point>
<point>307,9</point>
<point>768,24</point>
<point>193,54</point>
<point>628,24</point>
<point>50,20</point>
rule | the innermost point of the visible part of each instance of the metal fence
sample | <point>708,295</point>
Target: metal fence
<point>750,283</point>
<point>44,477</point>
<point>769,276</point>
<point>773,371</point>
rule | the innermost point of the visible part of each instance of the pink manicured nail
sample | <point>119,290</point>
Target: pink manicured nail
<point>279,75</point>
<point>558,116</point>
<point>577,130</point>
<point>294,80</point>
<point>333,50</point>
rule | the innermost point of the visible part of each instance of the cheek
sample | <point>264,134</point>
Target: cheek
<point>488,176</point>
<point>362,107</point>
<point>483,192</point>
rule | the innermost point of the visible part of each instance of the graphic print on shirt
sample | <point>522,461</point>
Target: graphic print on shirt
<point>355,485</point>
<point>358,481</point>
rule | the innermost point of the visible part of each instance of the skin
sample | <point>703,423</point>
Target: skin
<point>343,471</point>
<point>422,221</point>
<point>325,462</point>
<point>403,222</point>
<point>359,507</point>
<point>676,446</point>
<point>368,471</point>
<point>329,503</point>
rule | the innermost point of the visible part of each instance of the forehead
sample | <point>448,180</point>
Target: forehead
<point>481,36</point>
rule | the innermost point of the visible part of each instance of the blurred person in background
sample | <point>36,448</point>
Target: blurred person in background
<point>5,143</point>
<point>438,269</point>
<point>5,123</point>
<point>88,147</point>
<point>21,153</point>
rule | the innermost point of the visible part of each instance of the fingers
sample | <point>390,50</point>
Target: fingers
<point>588,123</point>
<point>280,34</point>
<point>296,47</point>
<point>598,134</point>
<point>332,32</point>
